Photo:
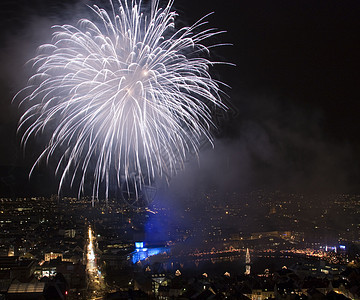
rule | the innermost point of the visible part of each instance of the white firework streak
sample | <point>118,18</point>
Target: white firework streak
<point>128,95</point>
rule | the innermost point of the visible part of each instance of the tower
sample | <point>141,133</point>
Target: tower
<point>247,262</point>
<point>11,251</point>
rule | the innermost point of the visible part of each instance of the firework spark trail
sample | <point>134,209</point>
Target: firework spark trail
<point>128,95</point>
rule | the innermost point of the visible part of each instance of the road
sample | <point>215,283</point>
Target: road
<point>96,283</point>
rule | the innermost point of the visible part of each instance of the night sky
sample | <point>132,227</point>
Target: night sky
<point>294,123</point>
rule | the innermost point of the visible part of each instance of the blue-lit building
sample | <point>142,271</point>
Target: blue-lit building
<point>141,252</point>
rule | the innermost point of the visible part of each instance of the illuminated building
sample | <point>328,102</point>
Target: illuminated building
<point>142,252</point>
<point>158,280</point>
<point>11,251</point>
<point>52,255</point>
<point>30,290</point>
<point>247,262</point>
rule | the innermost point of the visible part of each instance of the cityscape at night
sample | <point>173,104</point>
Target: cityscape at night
<point>179,149</point>
<point>293,246</point>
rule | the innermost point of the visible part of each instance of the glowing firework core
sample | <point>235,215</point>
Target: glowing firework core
<point>125,98</point>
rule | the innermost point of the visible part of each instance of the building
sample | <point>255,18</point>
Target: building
<point>141,252</point>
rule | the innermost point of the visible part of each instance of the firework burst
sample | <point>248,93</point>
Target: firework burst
<point>124,96</point>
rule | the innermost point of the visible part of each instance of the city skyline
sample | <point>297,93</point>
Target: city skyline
<point>271,211</point>
<point>97,252</point>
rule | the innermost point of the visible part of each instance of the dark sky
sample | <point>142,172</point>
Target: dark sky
<point>295,94</point>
